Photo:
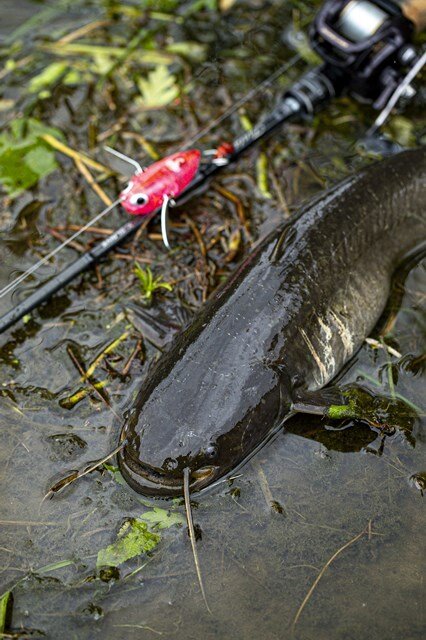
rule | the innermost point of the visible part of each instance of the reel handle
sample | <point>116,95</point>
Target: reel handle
<point>415,10</point>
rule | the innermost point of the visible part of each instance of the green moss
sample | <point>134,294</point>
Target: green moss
<point>341,411</point>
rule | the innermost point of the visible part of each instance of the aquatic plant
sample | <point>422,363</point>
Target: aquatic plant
<point>148,284</point>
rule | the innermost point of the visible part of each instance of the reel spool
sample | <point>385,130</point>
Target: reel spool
<point>368,43</point>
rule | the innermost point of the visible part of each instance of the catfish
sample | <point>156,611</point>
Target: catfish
<point>272,338</point>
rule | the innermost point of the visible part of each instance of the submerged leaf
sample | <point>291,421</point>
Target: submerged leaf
<point>162,519</point>
<point>159,88</point>
<point>116,475</point>
<point>134,538</point>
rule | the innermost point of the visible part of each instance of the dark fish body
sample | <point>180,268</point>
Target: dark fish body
<point>292,315</point>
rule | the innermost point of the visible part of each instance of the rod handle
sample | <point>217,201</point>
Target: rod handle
<point>415,10</point>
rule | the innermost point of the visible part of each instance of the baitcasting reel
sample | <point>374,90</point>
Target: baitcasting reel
<point>367,44</point>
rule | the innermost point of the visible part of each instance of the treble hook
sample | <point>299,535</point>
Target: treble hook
<point>167,202</point>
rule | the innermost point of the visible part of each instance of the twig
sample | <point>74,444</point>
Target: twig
<point>78,396</point>
<point>238,205</point>
<point>96,188</point>
<point>92,384</point>
<point>147,146</point>
<point>115,128</point>
<point>71,153</point>
<point>192,534</point>
<point>83,31</point>
<point>280,193</point>
<point>133,355</point>
<point>76,475</point>
<point>125,256</point>
<point>99,277</point>
<point>366,530</point>
<point>197,234</point>
<point>76,227</point>
<point>263,483</point>
<point>59,236</point>
<point>137,626</point>
<point>381,345</point>
<point>28,523</point>
<point>112,345</point>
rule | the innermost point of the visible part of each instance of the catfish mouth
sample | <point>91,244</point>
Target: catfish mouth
<point>153,481</point>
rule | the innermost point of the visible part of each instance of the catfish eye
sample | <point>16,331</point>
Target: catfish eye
<point>139,199</point>
<point>211,451</point>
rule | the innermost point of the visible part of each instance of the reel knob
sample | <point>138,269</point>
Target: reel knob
<point>360,20</point>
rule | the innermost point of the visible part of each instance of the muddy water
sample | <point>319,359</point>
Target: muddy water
<point>267,535</point>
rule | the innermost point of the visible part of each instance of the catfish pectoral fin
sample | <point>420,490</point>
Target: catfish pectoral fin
<point>355,402</point>
<point>318,403</point>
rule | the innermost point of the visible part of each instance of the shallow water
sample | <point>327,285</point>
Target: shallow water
<point>258,563</point>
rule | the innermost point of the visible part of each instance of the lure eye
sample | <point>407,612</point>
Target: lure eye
<point>211,451</point>
<point>139,199</point>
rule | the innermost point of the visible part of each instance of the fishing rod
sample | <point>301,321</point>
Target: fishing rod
<point>368,53</point>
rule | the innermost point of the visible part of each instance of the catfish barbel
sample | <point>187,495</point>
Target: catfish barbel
<point>295,311</point>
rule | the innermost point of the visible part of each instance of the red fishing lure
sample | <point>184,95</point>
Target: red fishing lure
<point>167,178</point>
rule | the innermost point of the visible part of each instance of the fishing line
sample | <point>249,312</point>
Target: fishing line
<point>383,116</point>
<point>248,96</point>
<point>12,285</point>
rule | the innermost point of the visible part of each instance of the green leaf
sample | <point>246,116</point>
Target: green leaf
<point>116,475</point>
<point>24,156</point>
<point>49,76</point>
<point>48,568</point>
<point>159,5</point>
<point>102,63</point>
<point>30,130</point>
<point>159,88</point>
<point>15,175</point>
<point>162,519</point>
<point>194,51</point>
<point>4,603</point>
<point>134,538</point>
<point>41,160</point>
<point>199,5</point>
<point>73,77</point>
